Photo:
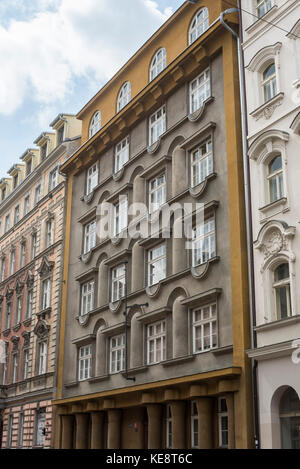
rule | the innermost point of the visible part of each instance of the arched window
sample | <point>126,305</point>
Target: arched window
<point>269,82</point>
<point>263,6</point>
<point>158,63</point>
<point>275,178</point>
<point>95,124</point>
<point>199,25</point>
<point>124,96</point>
<point>290,420</point>
<point>282,291</point>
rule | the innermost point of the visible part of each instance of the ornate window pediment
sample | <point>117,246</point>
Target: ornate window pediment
<point>46,267</point>
<point>295,125</point>
<point>42,329</point>
<point>8,293</point>
<point>269,142</point>
<point>263,56</point>
<point>295,31</point>
<point>29,279</point>
<point>15,340</point>
<point>19,286</point>
<point>26,338</point>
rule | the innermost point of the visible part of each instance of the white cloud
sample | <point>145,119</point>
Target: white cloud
<point>62,40</point>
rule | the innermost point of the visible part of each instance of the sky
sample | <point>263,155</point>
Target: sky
<point>56,54</point>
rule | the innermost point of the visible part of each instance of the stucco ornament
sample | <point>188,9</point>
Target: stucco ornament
<point>273,244</point>
<point>268,111</point>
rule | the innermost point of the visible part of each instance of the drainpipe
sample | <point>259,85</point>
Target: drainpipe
<point>247,190</point>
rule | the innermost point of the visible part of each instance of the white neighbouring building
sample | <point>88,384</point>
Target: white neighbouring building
<point>272,73</point>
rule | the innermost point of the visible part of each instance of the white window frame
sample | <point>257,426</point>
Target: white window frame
<point>29,304</point>
<point>95,124</point>
<point>49,232</point>
<point>118,282</point>
<point>157,192</point>
<point>7,223</point>
<point>160,252</point>
<point>269,85</point>
<point>199,25</point>
<point>157,124</point>
<point>33,245</point>
<point>46,293</point>
<point>204,242</point>
<point>17,214</point>
<point>12,261</point>
<point>201,162</point>
<point>199,90</point>
<point>120,216</point>
<point>3,268</point>
<point>194,419</point>
<point>15,368</point>
<point>89,236</point>
<point>26,204</point>
<point>85,356</point>
<point>37,194</point>
<point>42,357</point>
<point>53,179</point>
<point>121,154</point>
<point>23,254</point>
<point>286,284</point>
<point>92,178</point>
<point>117,353</point>
<point>202,324</point>
<point>25,363</point>
<point>221,416</point>
<point>158,339</point>
<point>87,297</point>
<point>8,314</point>
<point>279,180</point>
<point>266,5</point>
<point>158,63</point>
<point>18,309</point>
<point>124,96</point>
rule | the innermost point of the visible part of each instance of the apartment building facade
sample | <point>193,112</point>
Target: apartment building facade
<point>31,247</point>
<point>153,333</point>
<point>271,44</point>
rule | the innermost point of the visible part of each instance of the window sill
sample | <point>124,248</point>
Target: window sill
<point>278,323</point>
<point>27,322</point>
<point>17,327</point>
<point>277,203</point>
<point>196,115</point>
<point>258,22</point>
<point>179,360</point>
<point>200,271</point>
<point>6,332</point>
<point>198,190</point>
<point>267,109</point>
<point>45,312</point>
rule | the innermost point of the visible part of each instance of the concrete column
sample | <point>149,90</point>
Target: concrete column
<point>103,284</point>
<point>179,182</point>
<point>136,342</point>
<point>67,431</point>
<point>138,195</point>
<point>82,431</point>
<point>137,267</point>
<point>100,365</point>
<point>178,424</point>
<point>179,257</point>
<point>114,429</point>
<point>154,426</point>
<point>180,329</point>
<point>205,427</point>
<point>231,429</point>
<point>97,436</point>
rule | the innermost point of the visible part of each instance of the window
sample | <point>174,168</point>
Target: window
<point>275,179</point>
<point>199,90</point>
<point>44,151</point>
<point>33,245</point>
<point>9,430</point>
<point>199,25</point>
<point>53,179</point>
<point>25,363</point>
<point>205,328</point>
<point>95,124</point>
<point>23,255</point>
<point>3,193</point>
<point>26,204</point>
<point>40,427</point>
<point>263,6</point>
<point>124,96</point>
<point>121,154</point>
<point>28,167</point>
<point>156,264</point>
<point>5,364</point>
<point>92,178</point>
<point>7,223</point>
<point>8,315</point>
<point>157,192</point>
<point>42,358</point>
<point>282,292</point>
<point>15,368</point>
<point>60,135</point>
<point>29,304</point>
<point>17,214</point>
<point>201,162</point>
<point>49,232</point>
<point>223,422</point>
<point>289,413</point>
<point>12,261</point>
<point>118,283</point>
<point>21,429</point>
<point>157,125</point>
<point>156,342</point>
<point>194,425</point>
<point>18,310</point>
<point>37,194</point>
<point>87,298</point>
<point>203,242</point>
<point>15,180</point>
<point>158,63</point>
<point>269,83</point>
<point>46,293</point>
<point>89,236</point>
<point>84,362</point>
<point>3,266</point>
<point>169,427</point>
<point>120,216</point>
<point>117,353</point>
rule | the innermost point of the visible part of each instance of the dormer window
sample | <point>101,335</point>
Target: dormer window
<point>3,193</point>
<point>44,151</point>
<point>124,96</point>
<point>60,135</point>
<point>263,6</point>
<point>28,167</point>
<point>158,63</point>
<point>199,25</point>
<point>269,83</point>
<point>95,124</point>
<point>15,181</point>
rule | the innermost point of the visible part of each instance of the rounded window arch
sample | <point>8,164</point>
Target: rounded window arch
<point>282,291</point>
<point>95,124</point>
<point>275,178</point>
<point>269,81</point>
<point>124,96</point>
<point>290,419</point>
<point>158,63</point>
<point>199,25</point>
